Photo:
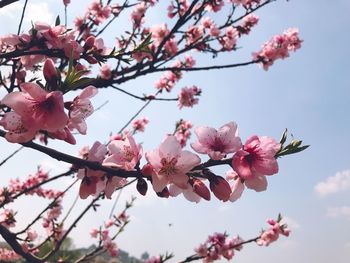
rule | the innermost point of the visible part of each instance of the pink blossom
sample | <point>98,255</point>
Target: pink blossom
<point>112,183</point>
<point>187,192</point>
<point>278,47</point>
<point>66,2</point>
<point>171,164</point>
<point>257,158</point>
<point>237,187</point>
<point>80,109</point>
<point>187,96</point>
<point>272,234</point>
<point>93,182</point>
<point>217,143</point>
<point>123,154</point>
<point>183,132</point>
<point>7,218</point>
<point>140,124</point>
<point>105,72</point>
<point>94,232</point>
<point>17,130</point>
<point>42,109</point>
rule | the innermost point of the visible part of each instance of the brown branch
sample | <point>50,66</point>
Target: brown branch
<point>10,238</point>
<point>4,3</point>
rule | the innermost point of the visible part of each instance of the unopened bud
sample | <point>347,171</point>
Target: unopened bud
<point>164,193</point>
<point>200,188</point>
<point>147,170</point>
<point>89,43</point>
<point>220,187</point>
<point>50,72</point>
<point>142,186</point>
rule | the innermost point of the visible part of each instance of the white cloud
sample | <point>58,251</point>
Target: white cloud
<point>342,211</point>
<point>11,11</point>
<point>334,184</point>
<point>39,13</point>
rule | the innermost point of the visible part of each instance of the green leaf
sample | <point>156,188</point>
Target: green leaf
<point>284,137</point>
<point>58,21</point>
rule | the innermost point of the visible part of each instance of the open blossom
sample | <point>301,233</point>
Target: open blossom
<point>257,183</point>
<point>92,180</point>
<point>17,130</point>
<point>187,96</point>
<point>170,164</point>
<point>80,109</point>
<point>140,124</point>
<point>124,154</point>
<point>188,193</point>
<point>217,143</point>
<point>37,107</point>
<point>257,158</point>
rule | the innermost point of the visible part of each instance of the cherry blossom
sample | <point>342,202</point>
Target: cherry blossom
<point>42,109</point>
<point>124,154</point>
<point>80,109</point>
<point>217,143</point>
<point>170,164</point>
<point>257,158</point>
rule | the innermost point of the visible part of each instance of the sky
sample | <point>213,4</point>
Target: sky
<point>308,93</point>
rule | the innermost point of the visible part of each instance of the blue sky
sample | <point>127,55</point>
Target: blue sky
<point>307,93</point>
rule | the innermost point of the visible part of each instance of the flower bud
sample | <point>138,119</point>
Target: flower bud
<point>147,170</point>
<point>220,187</point>
<point>164,193</point>
<point>142,186</point>
<point>89,43</point>
<point>50,72</point>
<point>200,188</point>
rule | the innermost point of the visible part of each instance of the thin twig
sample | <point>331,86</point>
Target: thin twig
<point>22,16</point>
<point>11,155</point>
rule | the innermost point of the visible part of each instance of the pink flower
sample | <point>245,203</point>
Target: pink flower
<point>217,143</point>
<point>93,182</point>
<point>17,131</point>
<point>105,72</point>
<point>140,124</point>
<point>188,193</point>
<point>94,232</point>
<point>278,47</point>
<point>257,158</point>
<point>170,164</point>
<point>80,109</point>
<point>42,109</point>
<point>123,154</point>
<point>187,96</point>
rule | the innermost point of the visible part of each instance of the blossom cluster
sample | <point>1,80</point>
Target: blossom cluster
<point>8,255</point>
<point>104,235</point>
<point>36,109</point>
<point>272,234</point>
<point>217,246</point>
<point>278,47</point>
<point>173,171</point>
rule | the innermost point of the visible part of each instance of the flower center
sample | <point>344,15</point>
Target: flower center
<point>168,166</point>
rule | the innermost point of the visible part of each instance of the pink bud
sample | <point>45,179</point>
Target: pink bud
<point>50,72</point>
<point>200,188</point>
<point>220,187</point>
<point>141,186</point>
<point>147,170</point>
<point>89,43</point>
